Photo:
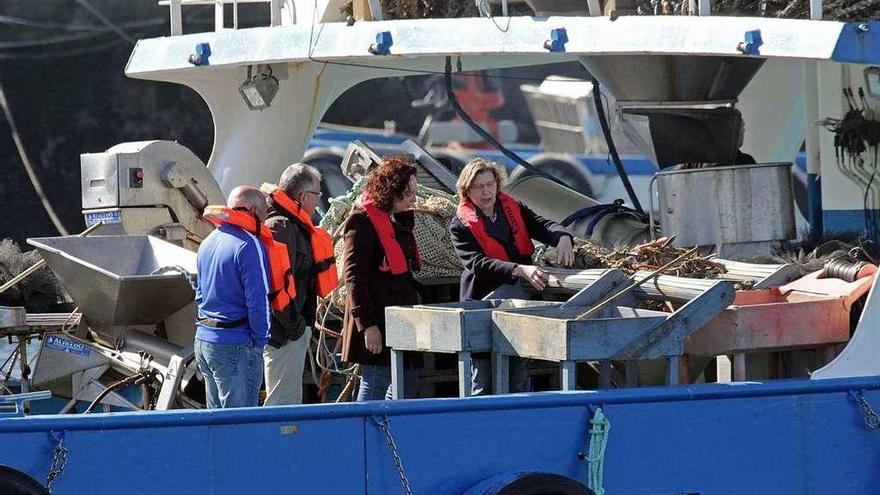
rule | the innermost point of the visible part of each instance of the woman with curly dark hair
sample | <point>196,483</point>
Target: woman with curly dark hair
<point>379,257</point>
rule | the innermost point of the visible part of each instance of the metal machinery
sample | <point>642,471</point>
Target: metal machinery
<point>130,289</point>
<point>150,187</point>
<point>133,283</point>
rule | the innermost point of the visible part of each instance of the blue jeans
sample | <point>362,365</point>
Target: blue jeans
<point>376,383</point>
<point>233,373</point>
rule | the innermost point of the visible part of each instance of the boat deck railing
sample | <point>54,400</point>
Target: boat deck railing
<point>696,7</point>
<point>176,11</point>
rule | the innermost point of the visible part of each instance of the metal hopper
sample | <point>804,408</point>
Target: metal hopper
<point>115,280</point>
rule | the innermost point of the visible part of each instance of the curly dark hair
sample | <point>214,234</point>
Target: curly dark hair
<point>389,180</point>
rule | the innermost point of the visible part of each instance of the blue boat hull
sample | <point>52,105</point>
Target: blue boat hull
<point>797,437</point>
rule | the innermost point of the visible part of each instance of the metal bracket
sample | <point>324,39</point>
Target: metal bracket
<point>202,55</point>
<point>383,43</point>
<point>171,383</point>
<point>557,41</point>
<point>18,400</point>
<point>752,43</point>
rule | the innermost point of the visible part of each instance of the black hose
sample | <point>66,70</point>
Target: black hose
<point>115,386</point>
<point>453,101</point>
<point>606,130</point>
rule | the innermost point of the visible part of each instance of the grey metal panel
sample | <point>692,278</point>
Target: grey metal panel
<point>438,172</point>
<point>722,205</point>
<point>668,287</point>
<point>99,180</point>
<point>447,327</point>
<point>610,281</point>
<point>110,277</point>
<point>54,366</point>
<point>667,339</point>
<point>553,334</point>
<point>652,78</point>
<point>12,316</point>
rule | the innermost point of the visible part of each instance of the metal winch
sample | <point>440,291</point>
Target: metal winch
<point>149,187</point>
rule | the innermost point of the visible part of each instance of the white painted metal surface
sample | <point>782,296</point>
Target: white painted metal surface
<point>859,358</point>
<point>475,36</point>
<point>252,147</point>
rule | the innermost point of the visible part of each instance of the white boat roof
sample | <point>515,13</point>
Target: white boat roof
<point>315,63</point>
<point>502,42</point>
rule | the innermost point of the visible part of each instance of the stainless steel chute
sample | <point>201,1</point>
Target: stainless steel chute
<point>111,278</point>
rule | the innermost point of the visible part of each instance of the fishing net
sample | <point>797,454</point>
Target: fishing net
<point>648,256</point>
<point>433,212</point>
<point>39,292</point>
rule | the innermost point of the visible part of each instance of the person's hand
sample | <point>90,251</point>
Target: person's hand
<point>373,339</point>
<point>564,252</point>
<point>533,275</point>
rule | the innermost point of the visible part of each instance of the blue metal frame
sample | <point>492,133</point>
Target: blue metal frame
<point>859,43</point>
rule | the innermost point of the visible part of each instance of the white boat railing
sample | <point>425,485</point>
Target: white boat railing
<point>176,11</point>
<point>696,7</point>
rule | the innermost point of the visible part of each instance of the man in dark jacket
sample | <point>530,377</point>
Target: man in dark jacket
<point>291,331</point>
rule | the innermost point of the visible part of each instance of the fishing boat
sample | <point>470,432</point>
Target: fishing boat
<point>679,86</point>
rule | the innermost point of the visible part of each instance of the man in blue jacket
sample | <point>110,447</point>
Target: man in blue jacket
<point>234,312</point>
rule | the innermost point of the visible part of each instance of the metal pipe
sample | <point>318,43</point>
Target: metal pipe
<point>816,10</point>
<point>704,8</point>
<point>218,15</point>
<point>595,309</point>
<point>814,185</point>
<point>174,9</point>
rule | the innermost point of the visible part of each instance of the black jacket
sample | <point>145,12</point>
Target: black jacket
<point>301,313</point>
<point>368,289</point>
<point>482,274</point>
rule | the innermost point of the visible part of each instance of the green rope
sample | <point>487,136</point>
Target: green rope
<point>596,459</point>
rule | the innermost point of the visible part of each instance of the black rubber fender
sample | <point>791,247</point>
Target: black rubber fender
<point>14,482</point>
<point>529,484</point>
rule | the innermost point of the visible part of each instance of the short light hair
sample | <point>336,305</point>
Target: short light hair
<point>475,166</point>
<point>298,177</point>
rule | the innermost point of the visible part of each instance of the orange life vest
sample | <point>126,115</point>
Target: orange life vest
<point>283,289</point>
<point>326,278</point>
<point>467,213</point>
<point>395,260</point>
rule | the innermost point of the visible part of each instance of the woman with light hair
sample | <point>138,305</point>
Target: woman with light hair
<point>492,235</point>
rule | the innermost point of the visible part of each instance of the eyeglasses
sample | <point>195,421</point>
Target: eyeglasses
<point>316,193</point>
<point>481,187</point>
